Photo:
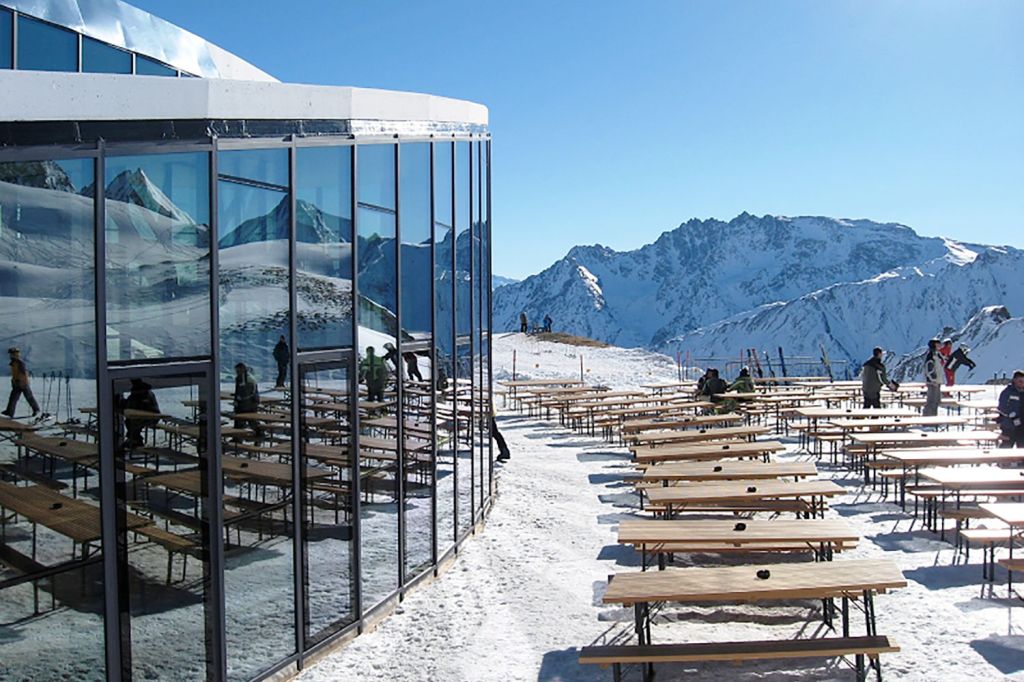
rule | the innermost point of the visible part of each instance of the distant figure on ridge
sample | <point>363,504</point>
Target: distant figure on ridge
<point>932,379</point>
<point>523,326</point>
<point>1011,411</point>
<point>946,351</point>
<point>872,378</point>
<point>282,355</point>
<point>744,383</point>
<point>19,384</point>
<point>547,323</point>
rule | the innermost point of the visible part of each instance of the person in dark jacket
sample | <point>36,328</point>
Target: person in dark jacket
<point>282,356</point>
<point>19,384</point>
<point>523,327</point>
<point>1011,412</point>
<point>247,394</point>
<point>547,323</point>
<point>872,378</point>
<point>714,386</point>
<point>932,379</point>
<point>412,366</point>
<point>140,397</point>
<point>374,372</point>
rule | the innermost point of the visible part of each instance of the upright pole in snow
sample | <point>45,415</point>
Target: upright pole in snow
<point>513,364</point>
<point>581,367</point>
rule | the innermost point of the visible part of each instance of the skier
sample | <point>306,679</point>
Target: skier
<point>247,394</point>
<point>1011,412</point>
<point>958,359</point>
<point>19,384</point>
<point>872,378</point>
<point>140,397</point>
<point>946,350</point>
<point>373,371</point>
<point>744,383</point>
<point>523,327</point>
<point>932,379</point>
<point>547,323</point>
<point>282,354</point>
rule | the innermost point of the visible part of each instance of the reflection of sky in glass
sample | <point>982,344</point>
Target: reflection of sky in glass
<point>414,185</point>
<point>462,186</point>
<point>239,203</point>
<point>263,165</point>
<point>443,184</point>
<point>374,221</point>
<point>377,175</point>
<point>322,178</point>
<point>182,177</point>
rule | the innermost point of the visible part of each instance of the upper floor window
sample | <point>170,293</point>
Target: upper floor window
<point>144,66</point>
<point>6,39</point>
<point>45,47</point>
<point>99,57</point>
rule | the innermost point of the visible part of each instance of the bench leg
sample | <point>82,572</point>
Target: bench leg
<point>862,674</point>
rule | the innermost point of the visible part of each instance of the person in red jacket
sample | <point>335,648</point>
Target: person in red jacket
<point>946,350</point>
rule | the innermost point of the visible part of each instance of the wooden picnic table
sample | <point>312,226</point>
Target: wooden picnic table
<point>652,439</point>
<point>915,458</point>
<point>675,497</point>
<point>1012,514</point>
<point>718,471</point>
<point>678,422</point>
<point>918,438</point>
<point>15,426</point>
<point>897,422</point>
<point>664,536</point>
<point>744,584</point>
<point>707,451</point>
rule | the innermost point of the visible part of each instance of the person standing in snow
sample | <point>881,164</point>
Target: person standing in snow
<point>872,378</point>
<point>946,350</point>
<point>1011,412</point>
<point>932,379</point>
<point>412,366</point>
<point>523,326</point>
<point>547,323</point>
<point>282,354</point>
<point>19,384</point>
<point>373,371</point>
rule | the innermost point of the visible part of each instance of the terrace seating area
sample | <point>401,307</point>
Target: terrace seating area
<point>731,507</point>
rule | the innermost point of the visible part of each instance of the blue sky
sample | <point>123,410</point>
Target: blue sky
<point>616,121</point>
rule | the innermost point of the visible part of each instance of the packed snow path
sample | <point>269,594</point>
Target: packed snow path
<point>524,594</point>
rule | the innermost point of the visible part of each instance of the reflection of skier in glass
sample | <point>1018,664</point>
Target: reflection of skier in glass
<point>373,371</point>
<point>19,384</point>
<point>247,394</point>
<point>523,327</point>
<point>141,398</point>
<point>412,366</point>
<point>547,323</point>
<point>282,354</point>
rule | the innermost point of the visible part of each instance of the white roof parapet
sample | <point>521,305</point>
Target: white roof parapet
<point>56,96</point>
<point>123,25</point>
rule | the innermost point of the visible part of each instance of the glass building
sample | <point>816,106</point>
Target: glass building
<point>254,321</point>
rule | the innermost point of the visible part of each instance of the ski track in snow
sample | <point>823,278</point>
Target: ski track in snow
<point>524,594</point>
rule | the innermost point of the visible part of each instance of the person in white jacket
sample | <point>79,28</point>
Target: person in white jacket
<point>932,379</point>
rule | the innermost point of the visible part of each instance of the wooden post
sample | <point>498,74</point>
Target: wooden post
<point>513,364</point>
<point>581,367</point>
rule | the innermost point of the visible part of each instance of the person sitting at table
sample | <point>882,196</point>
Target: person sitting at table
<point>373,372</point>
<point>872,378</point>
<point>1011,412</point>
<point>714,386</point>
<point>744,383</point>
<point>247,394</point>
<point>140,397</point>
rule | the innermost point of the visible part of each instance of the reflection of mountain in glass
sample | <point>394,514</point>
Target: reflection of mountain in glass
<point>312,226</point>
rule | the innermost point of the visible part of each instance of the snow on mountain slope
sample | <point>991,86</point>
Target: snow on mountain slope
<point>898,311</point>
<point>995,340</point>
<point>705,271</point>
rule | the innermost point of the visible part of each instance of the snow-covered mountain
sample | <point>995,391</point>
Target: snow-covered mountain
<point>704,271</point>
<point>712,288</point>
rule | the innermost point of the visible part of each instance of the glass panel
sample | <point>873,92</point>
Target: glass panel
<point>99,57</point>
<point>6,39</point>
<point>254,225</point>
<point>323,249</point>
<point>44,47</point>
<point>484,282</point>
<point>163,524</point>
<point>444,345</point>
<point>417,332</point>
<point>481,416</point>
<point>50,627</point>
<point>379,361</point>
<point>144,66</point>
<point>329,582</point>
<point>158,256</point>
<point>463,329</point>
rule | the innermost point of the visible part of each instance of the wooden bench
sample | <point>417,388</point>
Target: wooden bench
<point>647,655</point>
<point>1011,565</point>
<point>173,543</point>
<point>989,539</point>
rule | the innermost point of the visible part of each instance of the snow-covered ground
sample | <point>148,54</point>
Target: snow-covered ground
<point>524,595</point>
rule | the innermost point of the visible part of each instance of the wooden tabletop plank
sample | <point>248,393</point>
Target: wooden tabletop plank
<point>1010,513</point>
<point>741,584</point>
<point>709,471</point>
<point>740,531</point>
<point>695,435</point>
<point>705,451</point>
<point>742,490</point>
